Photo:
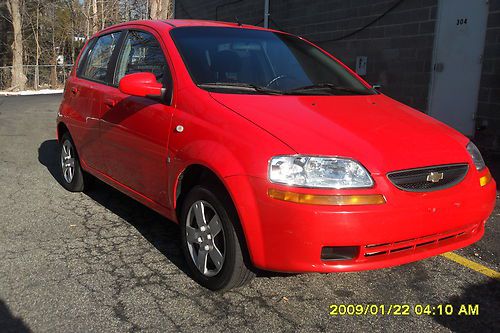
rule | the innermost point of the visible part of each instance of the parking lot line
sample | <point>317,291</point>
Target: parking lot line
<point>472,265</point>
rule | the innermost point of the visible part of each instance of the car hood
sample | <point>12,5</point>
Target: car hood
<point>381,133</point>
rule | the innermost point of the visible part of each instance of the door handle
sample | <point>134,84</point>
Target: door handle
<point>74,91</point>
<point>110,102</point>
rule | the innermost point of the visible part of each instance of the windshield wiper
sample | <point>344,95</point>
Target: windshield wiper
<point>240,86</point>
<point>327,86</point>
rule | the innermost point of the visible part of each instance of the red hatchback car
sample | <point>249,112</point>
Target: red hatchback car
<point>267,151</point>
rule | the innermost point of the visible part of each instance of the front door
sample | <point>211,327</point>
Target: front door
<point>135,130</point>
<point>459,45</point>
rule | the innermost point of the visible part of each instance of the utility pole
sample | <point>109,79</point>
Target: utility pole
<point>266,14</point>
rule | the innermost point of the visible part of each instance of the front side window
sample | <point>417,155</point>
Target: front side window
<point>141,53</point>
<point>234,58</point>
<point>98,59</point>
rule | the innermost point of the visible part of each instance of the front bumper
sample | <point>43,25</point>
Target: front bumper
<point>288,237</point>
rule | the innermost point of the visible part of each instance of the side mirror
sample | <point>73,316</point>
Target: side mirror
<point>141,84</point>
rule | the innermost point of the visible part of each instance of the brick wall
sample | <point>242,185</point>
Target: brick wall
<point>398,47</point>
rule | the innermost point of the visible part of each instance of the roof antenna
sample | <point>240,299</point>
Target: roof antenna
<point>238,21</point>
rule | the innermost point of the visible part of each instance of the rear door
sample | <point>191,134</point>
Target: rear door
<point>85,96</point>
<point>135,130</point>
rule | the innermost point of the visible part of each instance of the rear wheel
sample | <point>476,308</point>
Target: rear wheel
<point>72,176</point>
<point>210,242</point>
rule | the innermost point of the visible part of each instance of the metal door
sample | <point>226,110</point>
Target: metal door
<point>458,49</point>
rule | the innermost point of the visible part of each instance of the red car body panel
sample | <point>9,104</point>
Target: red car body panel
<point>294,233</point>
<point>131,143</point>
<point>375,129</point>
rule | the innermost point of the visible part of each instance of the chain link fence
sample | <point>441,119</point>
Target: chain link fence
<point>39,77</point>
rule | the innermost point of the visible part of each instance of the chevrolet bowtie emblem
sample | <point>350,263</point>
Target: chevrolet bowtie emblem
<point>435,177</point>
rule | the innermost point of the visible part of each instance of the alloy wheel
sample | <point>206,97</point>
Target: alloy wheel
<point>68,161</point>
<point>205,238</point>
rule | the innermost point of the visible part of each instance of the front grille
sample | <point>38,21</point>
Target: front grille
<point>416,244</point>
<point>429,178</point>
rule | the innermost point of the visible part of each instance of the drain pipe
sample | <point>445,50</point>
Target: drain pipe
<point>266,14</point>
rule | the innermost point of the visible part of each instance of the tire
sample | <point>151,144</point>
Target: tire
<point>74,180</point>
<point>220,220</point>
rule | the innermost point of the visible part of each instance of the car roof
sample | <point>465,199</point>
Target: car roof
<point>171,24</point>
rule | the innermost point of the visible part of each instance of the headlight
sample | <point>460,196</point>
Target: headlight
<point>476,156</point>
<point>321,172</point>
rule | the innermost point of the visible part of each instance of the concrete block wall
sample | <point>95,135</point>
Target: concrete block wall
<point>398,46</point>
<point>489,94</point>
<point>247,11</point>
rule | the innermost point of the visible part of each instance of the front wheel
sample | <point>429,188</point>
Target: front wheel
<point>210,243</point>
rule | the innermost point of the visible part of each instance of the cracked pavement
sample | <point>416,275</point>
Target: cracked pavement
<point>101,262</point>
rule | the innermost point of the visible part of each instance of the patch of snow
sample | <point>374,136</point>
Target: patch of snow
<point>31,92</point>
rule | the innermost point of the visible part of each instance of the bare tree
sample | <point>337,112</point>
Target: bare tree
<point>94,16</point>
<point>53,69</point>
<point>85,8</point>
<point>34,24</point>
<point>43,35</point>
<point>18,78</point>
<point>161,9</point>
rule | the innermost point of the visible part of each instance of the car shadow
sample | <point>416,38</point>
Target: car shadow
<point>162,233</point>
<point>47,155</point>
<point>476,309</point>
<point>10,323</point>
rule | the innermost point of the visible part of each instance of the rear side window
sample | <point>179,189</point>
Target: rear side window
<point>98,59</point>
<point>141,52</point>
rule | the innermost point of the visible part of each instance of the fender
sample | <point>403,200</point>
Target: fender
<point>202,153</point>
<point>221,140</point>
<point>232,175</point>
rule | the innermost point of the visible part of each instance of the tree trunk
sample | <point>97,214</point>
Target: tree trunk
<point>103,17</point>
<point>72,32</point>
<point>88,21</point>
<point>127,11</point>
<point>161,9</point>
<point>154,11</point>
<point>165,12</point>
<point>94,17</point>
<point>36,84</point>
<point>53,69</point>
<point>18,81</point>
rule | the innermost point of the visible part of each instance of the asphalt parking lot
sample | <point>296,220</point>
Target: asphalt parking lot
<point>100,262</point>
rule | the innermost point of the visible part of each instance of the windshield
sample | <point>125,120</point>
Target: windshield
<point>237,60</point>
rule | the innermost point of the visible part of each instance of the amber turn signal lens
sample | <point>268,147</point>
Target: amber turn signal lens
<point>337,200</point>
<point>484,180</point>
